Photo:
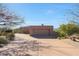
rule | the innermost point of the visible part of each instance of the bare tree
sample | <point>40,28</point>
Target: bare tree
<point>74,15</point>
<point>8,19</point>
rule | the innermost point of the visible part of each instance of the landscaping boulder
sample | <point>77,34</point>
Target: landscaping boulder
<point>74,37</point>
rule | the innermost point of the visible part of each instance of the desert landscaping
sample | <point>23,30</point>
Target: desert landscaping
<point>31,31</point>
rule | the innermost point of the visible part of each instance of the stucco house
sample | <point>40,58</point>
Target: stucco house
<point>40,31</point>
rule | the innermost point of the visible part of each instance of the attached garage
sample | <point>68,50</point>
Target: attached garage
<point>41,31</point>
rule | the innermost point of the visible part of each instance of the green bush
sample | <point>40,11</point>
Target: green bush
<point>67,29</point>
<point>3,40</point>
<point>10,36</point>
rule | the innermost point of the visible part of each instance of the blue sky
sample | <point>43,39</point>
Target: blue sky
<point>42,13</point>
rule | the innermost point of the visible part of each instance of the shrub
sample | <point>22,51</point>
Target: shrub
<point>10,36</point>
<point>67,29</point>
<point>3,40</point>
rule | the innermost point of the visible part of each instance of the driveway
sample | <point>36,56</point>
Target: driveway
<point>54,47</point>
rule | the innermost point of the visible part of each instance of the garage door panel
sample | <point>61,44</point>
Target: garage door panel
<point>41,32</point>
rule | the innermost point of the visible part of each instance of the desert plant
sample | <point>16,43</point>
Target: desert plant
<point>3,40</point>
<point>10,36</point>
<point>67,29</point>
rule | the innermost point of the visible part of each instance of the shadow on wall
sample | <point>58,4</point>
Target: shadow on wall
<point>45,36</point>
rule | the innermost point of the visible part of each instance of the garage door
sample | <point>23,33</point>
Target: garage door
<point>41,32</point>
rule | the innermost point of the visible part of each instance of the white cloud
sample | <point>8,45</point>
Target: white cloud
<point>50,11</point>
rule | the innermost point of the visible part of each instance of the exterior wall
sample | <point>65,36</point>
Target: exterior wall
<point>41,30</point>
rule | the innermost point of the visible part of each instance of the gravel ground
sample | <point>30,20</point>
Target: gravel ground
<point>25,45</point>
<point>20,47</point>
